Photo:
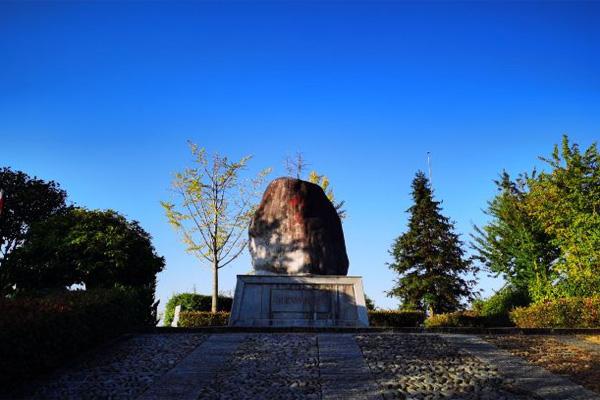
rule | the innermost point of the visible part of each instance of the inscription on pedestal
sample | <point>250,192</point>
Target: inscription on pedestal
<point>292,300</point>
<point>298,301</point>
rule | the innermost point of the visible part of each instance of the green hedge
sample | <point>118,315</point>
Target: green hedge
<point>572,312</point>
<point>381,318</point>
<point>193,302</point>
<point>198,319</point>
<point>40,333</point>
<point>455,319</point>
<point>466,319</point>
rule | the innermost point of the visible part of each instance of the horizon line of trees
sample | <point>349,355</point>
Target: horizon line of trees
<point>542,236</point>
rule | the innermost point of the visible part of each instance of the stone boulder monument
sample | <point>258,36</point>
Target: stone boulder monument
<point>296,230</point>
<point>300,263</point>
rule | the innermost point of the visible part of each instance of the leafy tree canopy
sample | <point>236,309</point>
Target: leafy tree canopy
<point>566,203</point>
<point>429,258</point>
<point>544,232</point>
<point>27,200</point>
<point>96,248</point>
<point>513,244</point>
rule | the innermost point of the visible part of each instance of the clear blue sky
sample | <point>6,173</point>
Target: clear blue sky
<point>102,97</point>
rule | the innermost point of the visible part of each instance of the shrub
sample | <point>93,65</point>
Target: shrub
<point>193,302</point>
<point>101,249</point>
<point>503,301</point>
<point>456,319</point>
<point>571,312</point>
<point>39,333</point>
<point>393,318</point>
<point>198,319</point>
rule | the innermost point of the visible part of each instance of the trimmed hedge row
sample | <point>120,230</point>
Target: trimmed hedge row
<point>38,334</point>
<point>197,319</point>
<point>193,302</point>
<point>571,312</point>
<point>455,319</point>
<point>383,318</point>
<point>468,319</point>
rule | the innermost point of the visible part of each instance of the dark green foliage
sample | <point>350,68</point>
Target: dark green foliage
<point>193,302</point>
<point>98,248</point>
<point>514,244</point>
<point>369,303</point>
<point>572,312</point>
<point>199,319</point>
<point>502,302</point>
<point>429,257</point>
<point>385,318</point>
<point>27,201</point>
<point>40,333</point>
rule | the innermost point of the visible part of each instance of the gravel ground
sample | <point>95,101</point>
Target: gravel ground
<point>579,365</point>
<point>122,371</point>
<point>283,366</point>
<point>427,367</point>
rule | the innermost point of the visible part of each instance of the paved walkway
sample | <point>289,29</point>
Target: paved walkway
<point>307,366</point>
<point>186,380</point>
<point>344,373</point>
<point>580,343</point>
<point>527,377</point>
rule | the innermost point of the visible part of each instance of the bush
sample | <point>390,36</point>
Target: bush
<point>393,318</point>
<point>502,302</point>
<point>193,302</point>
<point>101,249</point>
<point>467,319</point>
<point>456,319</point>
<point>572,312</point>
<point>40,333</point>
<point>198,319</point>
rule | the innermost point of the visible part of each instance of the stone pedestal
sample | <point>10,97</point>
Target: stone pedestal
<point>306,301</point>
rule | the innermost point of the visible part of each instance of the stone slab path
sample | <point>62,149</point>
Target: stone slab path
<point>528,377</point>
<point>344,373</point>
<point>189,377</point>
<point>309,366</point>
<point>580,343</point>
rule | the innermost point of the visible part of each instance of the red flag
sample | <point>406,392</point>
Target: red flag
<point>1,200</point>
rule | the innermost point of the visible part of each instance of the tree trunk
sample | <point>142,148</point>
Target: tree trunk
<point>215,291</point>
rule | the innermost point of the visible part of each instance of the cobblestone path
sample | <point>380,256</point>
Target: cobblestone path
<point>305,366</point>
<point>122,371</point>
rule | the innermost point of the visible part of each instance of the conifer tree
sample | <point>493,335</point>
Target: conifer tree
<point>429,258</point>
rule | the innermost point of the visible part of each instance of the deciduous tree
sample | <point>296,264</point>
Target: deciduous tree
<point>566,202</point>
<point>513,243</point>
<point>26,200</point>
<point>214,208</point>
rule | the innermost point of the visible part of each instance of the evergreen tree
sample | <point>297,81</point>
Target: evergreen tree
<point>429,257</point>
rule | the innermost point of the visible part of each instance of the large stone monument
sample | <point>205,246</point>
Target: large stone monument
<point>300,263</point>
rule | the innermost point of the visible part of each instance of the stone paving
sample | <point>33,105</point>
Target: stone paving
<point>122,371</point>
<point>423,366</point>
<point>306,366</point>
<point>269,367</point>
<point>580,342</point>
